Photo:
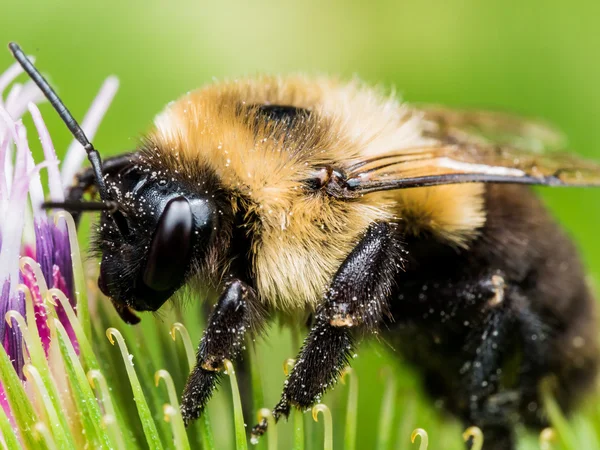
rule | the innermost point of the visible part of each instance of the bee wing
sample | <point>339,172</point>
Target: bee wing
<point>480,127</point>
<point>475,147</point>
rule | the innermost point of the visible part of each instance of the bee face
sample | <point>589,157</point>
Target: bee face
<point>162,229</point>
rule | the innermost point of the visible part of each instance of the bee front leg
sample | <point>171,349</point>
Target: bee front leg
<point>357,298</point>
<point>85,180</point>
<point>223,338</point>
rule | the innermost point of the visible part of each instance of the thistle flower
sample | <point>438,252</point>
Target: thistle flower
<point>19,182</point>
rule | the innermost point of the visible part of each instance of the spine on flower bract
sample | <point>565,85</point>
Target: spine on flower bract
<point>145,415</point>
<point>327,424</point>
<point>424,444</point>
<point>563,429</point>
<point>85,400</point>
<point>351,408</point>
<point>547,438</point>
<point>86,351</point>
<point>297,417</point>
<point>408,415</point>
<point>16,398</point>
<point>203,424</point>
<point>180,438</point>
<point>6,430</point>
<point>475,436</point>
<point>43,435</point>
<point>298,421</point>
<point>187,343</point>
<point>172,411</point>
<point>238,416</point>
<point>266,414</point>
<point>60,432</point>
<point>111,416</point>
<point>387,410</point>
<point>253,364</point>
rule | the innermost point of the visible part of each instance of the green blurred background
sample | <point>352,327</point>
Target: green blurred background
<point>538,58</point>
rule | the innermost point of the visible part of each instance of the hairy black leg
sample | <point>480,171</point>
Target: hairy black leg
<point>482,373</point>
<point>489,409</point>
<point>223,339</point>
<point>534,335</point>
<point>85,179</point>
<point>357,298</point>
<point>508,320</point>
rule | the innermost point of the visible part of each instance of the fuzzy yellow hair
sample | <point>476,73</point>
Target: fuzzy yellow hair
<point>301,238</point>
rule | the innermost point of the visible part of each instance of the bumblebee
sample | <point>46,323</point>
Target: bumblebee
<point>297,196</point>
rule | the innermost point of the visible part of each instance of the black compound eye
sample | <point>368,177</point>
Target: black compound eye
<point>171,247</point>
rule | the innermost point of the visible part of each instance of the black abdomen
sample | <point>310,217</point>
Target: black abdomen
<point>490,322</point>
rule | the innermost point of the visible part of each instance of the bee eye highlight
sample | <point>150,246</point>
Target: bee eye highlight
<point>171,247</point>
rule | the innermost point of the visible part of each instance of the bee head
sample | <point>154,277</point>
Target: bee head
<point>153,231</point>
<point>160,233</point>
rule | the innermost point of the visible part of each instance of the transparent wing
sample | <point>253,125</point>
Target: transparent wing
<point>476,147</point>
<point>480,127</point>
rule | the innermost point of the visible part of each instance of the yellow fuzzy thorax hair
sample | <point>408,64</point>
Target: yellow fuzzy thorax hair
<point>301,238</point>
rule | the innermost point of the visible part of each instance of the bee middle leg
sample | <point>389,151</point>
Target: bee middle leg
<point>356,298</point>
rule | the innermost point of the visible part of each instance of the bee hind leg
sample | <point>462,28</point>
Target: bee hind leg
<point>490,410</point>
<point>496,410</point>
<point>357,298</point>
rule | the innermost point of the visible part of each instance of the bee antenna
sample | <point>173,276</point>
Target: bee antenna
<point>65,115</point>
<point>77,206</point>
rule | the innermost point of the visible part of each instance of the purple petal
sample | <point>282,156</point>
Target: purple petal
<point>53,249</point>
<point>39,308</point>
<point>11,337</point>
<point>62,260</point>
<point>53,254</point>
<point>59,283</point>
<point>44,248</point>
